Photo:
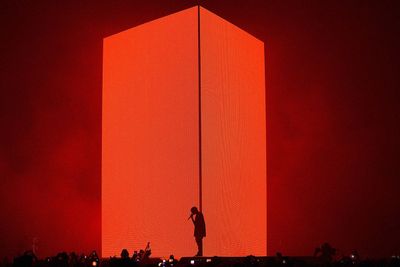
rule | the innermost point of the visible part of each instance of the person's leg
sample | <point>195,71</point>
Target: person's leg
<point>201,247</point>
<point>199,241</point>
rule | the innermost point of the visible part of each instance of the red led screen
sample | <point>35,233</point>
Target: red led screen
<point>234,138</point>
<point>150,136</point>
<point>150,168</point>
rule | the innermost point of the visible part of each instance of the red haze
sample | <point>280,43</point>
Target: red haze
<point>332,105</point>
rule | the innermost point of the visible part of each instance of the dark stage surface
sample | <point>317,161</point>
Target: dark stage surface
<point>332,109</point>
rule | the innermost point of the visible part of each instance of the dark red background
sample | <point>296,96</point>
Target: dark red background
<point>333,119</point>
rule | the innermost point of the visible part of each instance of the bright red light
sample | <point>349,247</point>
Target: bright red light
<point>150,130</point>
<point>150,164</point>
<point>234,139</point>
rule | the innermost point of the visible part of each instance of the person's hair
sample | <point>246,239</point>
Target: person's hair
<point>194,209</point>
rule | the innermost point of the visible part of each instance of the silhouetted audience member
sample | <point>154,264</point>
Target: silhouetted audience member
<point>124,254</point>
<point>28,259</point>
<point>93,259</point>
<point>125,261</point>
<point>73,260</point>
<point>135,256</point>
<point>147,252</point>
<point>325,252</point>
<point>250,261</point>
<point>141,254</point>
<point>279,260</point>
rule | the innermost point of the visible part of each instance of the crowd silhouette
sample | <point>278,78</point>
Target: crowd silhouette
<point>324,256</point>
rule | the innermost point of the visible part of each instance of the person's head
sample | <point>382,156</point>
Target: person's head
<point>124,254</point>
<point>194,210</point>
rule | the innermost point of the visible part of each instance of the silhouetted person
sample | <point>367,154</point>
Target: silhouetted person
<point>325,252</point>
<point>93,258</point>
<point>135,256</point>
<point>147,252</point>
<point>124,254</point>
<point>141,254</point>
<point>28,259</point>
<point>199,229</point>
<point>73,260</point>
<point>279,259</point>
<point>125,260</point>
<point>355,257</point>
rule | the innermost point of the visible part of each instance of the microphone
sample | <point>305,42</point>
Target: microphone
<point>191,215</point>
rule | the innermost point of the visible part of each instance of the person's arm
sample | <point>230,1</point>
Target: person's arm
<point>191,217</point>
